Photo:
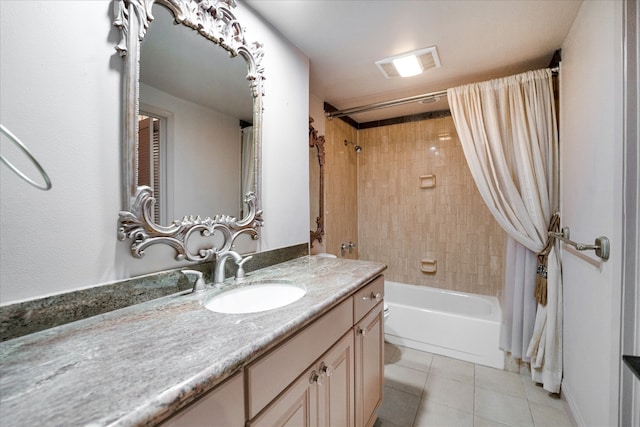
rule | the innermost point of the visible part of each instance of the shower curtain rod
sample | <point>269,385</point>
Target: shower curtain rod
<point>393,102</point>
<point>386,104</point>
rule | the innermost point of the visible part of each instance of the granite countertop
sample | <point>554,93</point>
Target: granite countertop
<point>139,364</point>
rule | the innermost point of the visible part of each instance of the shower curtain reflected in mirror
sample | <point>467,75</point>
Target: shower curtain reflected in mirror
<point>248,171</point>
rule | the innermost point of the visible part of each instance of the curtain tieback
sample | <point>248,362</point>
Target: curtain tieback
<point>541,272</point>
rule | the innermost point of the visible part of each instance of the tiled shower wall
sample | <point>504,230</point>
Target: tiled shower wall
<point>341,190</point>
<point>402,224</point>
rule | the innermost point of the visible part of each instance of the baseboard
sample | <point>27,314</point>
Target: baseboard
<point>570,406</point>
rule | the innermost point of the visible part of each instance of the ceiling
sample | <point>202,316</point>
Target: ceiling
<point>476,40</point>
<point>179,61</point>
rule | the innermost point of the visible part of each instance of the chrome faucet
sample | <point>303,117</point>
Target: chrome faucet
<point>221,260</point>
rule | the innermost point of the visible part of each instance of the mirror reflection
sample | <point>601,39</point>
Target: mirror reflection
<point>195,123</point>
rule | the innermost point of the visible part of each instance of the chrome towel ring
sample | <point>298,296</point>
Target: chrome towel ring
<point>25,150</point>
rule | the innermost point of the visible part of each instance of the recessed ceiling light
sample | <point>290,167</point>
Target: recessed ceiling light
<point>407,66</point>
<point>426,59</point>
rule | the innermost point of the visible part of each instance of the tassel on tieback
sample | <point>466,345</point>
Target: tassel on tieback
<point>541,272</point>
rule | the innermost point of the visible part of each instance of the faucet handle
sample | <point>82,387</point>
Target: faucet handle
<point>240,274</point>
<point>199,284</point>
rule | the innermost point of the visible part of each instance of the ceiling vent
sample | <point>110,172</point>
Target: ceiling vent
<point>427,58</point>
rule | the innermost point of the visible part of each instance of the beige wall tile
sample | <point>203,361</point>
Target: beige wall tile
<point>341,188</point>
<point>400,223</point>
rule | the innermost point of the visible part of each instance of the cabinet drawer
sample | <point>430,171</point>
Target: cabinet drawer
<point>268,376</point>
<point>367,298</point>
<point>223,406</point>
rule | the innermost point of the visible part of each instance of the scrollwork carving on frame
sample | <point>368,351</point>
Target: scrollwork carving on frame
<point>138,225</point>
<point>213,19</point>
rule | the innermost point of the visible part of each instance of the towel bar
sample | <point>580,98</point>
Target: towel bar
<point>601,245</point>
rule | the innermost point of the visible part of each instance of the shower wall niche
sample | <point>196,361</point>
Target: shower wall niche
<point>403,222</point>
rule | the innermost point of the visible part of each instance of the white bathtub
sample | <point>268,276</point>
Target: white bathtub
<point>455,324</point>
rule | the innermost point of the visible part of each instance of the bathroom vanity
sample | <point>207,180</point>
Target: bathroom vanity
<point>328,374</point>
<point>317,361</point>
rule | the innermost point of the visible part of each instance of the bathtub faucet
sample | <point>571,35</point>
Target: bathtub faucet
<point>221,260</point>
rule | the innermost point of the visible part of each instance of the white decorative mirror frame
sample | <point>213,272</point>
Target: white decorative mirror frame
<point>214,20</point>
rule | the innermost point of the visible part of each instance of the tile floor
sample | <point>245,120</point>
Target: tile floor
<point>424,389</point>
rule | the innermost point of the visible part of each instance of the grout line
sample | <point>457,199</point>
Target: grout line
<point>533,420</point>
<point>473,414</point>
<point>475,389</point>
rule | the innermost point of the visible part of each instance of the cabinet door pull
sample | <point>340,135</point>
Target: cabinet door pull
<point>314,378</point>
<point>326,369</point>
<point>362,332</point>
<point>373,297</point>
<point>323,371</point>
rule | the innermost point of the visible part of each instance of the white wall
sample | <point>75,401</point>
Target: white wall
<point>316,111</point>
<point>591,181</point>
<point>285,154</point>
<point>211,156</point>
<point>60,80</point>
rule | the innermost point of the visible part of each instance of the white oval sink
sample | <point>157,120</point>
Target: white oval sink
<point>255,297</point>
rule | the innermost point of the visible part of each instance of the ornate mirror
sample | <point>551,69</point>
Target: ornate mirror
<point>316,183</point>
<point>192,126</point>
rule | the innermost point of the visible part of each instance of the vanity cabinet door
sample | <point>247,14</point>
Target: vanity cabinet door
<point>321,397</point>
<point>268,376</point>
<point>335,387</point>
<point>369,366</point>
<point>296,407</point>
<point>222,406</point>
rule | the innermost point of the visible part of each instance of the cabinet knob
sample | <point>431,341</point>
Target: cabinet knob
<point>323,371</point>
<point>362,332</point>
<point>373,297</point>
<point>326,369</point>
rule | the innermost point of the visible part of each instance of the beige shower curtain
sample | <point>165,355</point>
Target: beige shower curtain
<point>508,132</point>
<point>248,155</point>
